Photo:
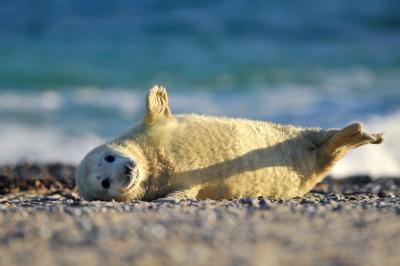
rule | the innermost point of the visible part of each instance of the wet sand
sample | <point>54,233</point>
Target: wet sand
<point>354,221</point>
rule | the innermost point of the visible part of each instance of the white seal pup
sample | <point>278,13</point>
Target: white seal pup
<point>193,156</point>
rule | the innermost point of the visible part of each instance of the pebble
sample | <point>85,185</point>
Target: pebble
<point>374,188</point>
<point>166,200</point>
<point>335,196</point>
<point>66,222</point>
<point>77,207</point>
<point>251,201</point>
<point>376,196</point>
<point>382,204</point>
<point>382,194</point>
<point>306,201</point>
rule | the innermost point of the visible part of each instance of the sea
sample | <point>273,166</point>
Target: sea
<point>75,73</point>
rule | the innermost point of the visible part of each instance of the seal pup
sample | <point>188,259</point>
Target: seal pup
<point>194,156</point>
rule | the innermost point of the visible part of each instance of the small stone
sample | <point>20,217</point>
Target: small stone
<point>374,189</point>
<point>333,203</point>
<point>352,198</point>
<point>166,200</point>
<point>295,207</point>
<point>334,196</point>
<point>311,209</point>
<point>305,201</point>
<point>70,197</point>
<point>264,204</point>
<point>382,204</point>
<point>75,212</point>
<point>382,194</point>
<point>254,202</point>
<point>83,202</point>
<point>250,201</point>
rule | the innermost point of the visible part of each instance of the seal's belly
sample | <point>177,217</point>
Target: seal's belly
<point>262,182</point>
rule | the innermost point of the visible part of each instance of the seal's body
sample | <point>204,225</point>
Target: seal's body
<point>192,156</point>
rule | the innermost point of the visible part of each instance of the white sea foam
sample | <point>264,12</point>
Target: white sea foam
<point>375,160</point>
<point>126,101</point>
<point>44,144</point>
<point>252,104</point>
<point>47,100</point>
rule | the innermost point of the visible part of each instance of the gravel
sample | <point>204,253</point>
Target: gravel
<point>353,221</point>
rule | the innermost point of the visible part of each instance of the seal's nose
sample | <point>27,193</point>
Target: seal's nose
<point>128,170</point>
<point>105,183</point>
<point>128,167</point>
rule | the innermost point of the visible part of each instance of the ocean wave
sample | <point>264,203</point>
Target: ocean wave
<point>376,160</point>
<point>81,101</point>
<point>49,143</point>
<point>358,92</point>
<point>44,144</point>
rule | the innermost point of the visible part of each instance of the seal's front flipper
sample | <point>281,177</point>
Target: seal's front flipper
<point>183,193</point>
<point>346,139</point>
<point>156,106</point>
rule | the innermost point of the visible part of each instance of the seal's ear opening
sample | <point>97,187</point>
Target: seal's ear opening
<point>156,106</point>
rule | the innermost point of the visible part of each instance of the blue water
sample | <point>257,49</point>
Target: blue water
<point>75,73</point>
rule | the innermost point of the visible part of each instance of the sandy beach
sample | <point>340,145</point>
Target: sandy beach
<point>354,221</point>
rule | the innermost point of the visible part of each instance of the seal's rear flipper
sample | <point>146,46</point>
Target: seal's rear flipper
<point>156,106</point>
<point>346,139</point>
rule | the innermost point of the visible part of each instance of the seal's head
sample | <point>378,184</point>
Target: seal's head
<point>107,173</point>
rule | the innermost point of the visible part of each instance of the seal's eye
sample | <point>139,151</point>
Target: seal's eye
<point>105,183</point>
<point>109,158</point>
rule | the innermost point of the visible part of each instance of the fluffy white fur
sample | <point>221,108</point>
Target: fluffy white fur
<point>193,156</point>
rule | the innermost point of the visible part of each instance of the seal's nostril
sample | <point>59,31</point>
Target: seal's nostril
<point>105,183</point>
<point>109,158</point>
<point>128,169</point>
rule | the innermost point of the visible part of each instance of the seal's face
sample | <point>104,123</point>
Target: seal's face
<point>107,174</point>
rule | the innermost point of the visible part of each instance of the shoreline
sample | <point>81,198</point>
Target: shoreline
<point>52,178</point>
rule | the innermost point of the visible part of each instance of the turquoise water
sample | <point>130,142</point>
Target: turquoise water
<point>75,73</point>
